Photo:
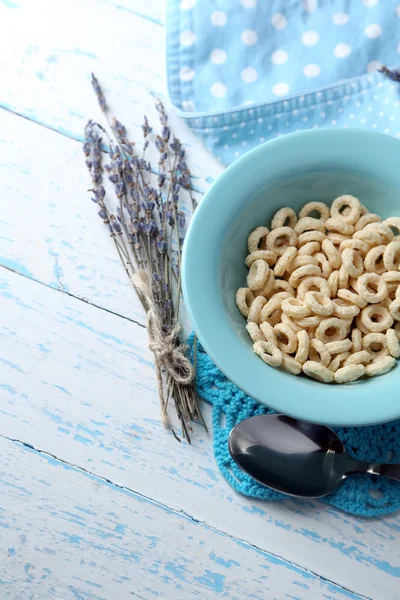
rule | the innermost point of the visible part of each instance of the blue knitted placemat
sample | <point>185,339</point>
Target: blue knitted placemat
<point>364,495</point>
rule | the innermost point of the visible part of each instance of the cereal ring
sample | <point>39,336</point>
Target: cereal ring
<point>339,347</point>
<point>352,262</point>
<point>295,308</point>
<point>288,321</point>
<point>352,297</point>
<point>376,318</point>
<point>358,358</point>
<point>375,344</point>
<point>333,282</point>
<point>281,285</point>
<point>391,277</point>
<point>284,217</point>
<point>267,255</point>
<point>339,226</point>
<point>343,309</point>
<point>331,330</point>
<point>381,366</point>
<point>318,207</point>
<point>301,272</point>
<point>366,219</point>
<point>392,256</point>
<point>301,261</point>
<point>255,310</point>
<point>309,322</point>
<point>398,293</point>
<point>309,224</point>
<point>268,332</point>
<point>394,224</point>
<point>364,210</point>
<point>372,288</point>
<point>244,299</point>
<point>291,365</point>
<point>309,249</point>
<point>359,245</point>
<point>395,309</point>
<point>310,236</point>
<point>356,338</point>
<point>254,332</point>
<point>360,326</point>
<point>311,284</point>
<point>349,373</point>
<point>332,254</point>
<point>303,346</point>
<point>286,337</point>
<point>347,208</point>
<point>318,303</point>
<point>372,238</point>
<point>336,363</point>
<point>324,265</point>
<point>281,295</point>
<point>269,353</point>
<point>337,238</point>
<point>397,329</point>
<point>317,371</point>
<point>393,343</point>
<point>268,285</point>
<point>257,240</point>
<point>383,230</point>
<point>284,261</point>
<point>257,275</point>
<point>373,261</point>
<point>275,317</point>
<point>319,353</point>
<point>343,281</point>
<point>280,238</point>
<point>269,308</point>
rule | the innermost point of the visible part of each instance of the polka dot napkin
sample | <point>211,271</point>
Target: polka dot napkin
<point>243,71</point>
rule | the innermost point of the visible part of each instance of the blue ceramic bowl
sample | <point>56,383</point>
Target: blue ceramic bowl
<point>315,165</point>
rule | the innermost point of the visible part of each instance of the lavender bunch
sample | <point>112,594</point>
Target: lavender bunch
<point>148,227</point>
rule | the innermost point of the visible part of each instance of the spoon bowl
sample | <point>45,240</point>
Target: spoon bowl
<point>294,457</point>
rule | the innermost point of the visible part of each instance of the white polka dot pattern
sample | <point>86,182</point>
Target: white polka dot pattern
<point>218,18</point>
<point>279,57</point>
<point>218,56</point>
<point>342,50</point>
<point>249,37</point>
<point>279,21</point>
<point>245,62</point>
<point>310,38</point>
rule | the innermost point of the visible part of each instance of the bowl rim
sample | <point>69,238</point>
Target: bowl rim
<point>377,412</point>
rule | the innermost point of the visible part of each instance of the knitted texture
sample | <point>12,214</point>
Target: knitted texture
<point>364,495</point>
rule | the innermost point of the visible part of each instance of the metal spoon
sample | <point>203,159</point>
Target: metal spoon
<point>296,458</point>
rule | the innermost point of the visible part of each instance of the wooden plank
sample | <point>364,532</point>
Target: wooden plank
<point>78,382</point>
<point>49,228</point>
<point>53,58</point>
<point>67,534</point>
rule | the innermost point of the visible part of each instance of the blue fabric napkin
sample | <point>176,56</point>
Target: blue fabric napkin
<point>241,72</point>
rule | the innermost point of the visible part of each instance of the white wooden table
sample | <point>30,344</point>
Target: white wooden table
<point>97,501</point>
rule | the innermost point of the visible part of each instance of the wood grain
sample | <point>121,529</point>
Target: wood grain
<point>79,384</point>
<point>68,534</point>
<point>53,58</point>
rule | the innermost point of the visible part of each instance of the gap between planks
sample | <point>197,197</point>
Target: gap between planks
<point>63,291</point>
<point>179,513</point>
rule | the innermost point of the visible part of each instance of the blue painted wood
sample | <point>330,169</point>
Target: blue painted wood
<point>78,382</point>
<point>69,534</point>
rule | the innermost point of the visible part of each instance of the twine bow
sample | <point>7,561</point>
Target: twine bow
<point>169,352</point>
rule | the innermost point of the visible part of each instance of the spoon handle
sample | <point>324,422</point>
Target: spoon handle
<point>392,471</point>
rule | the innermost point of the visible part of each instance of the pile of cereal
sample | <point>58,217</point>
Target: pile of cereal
<point>323,294</point>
